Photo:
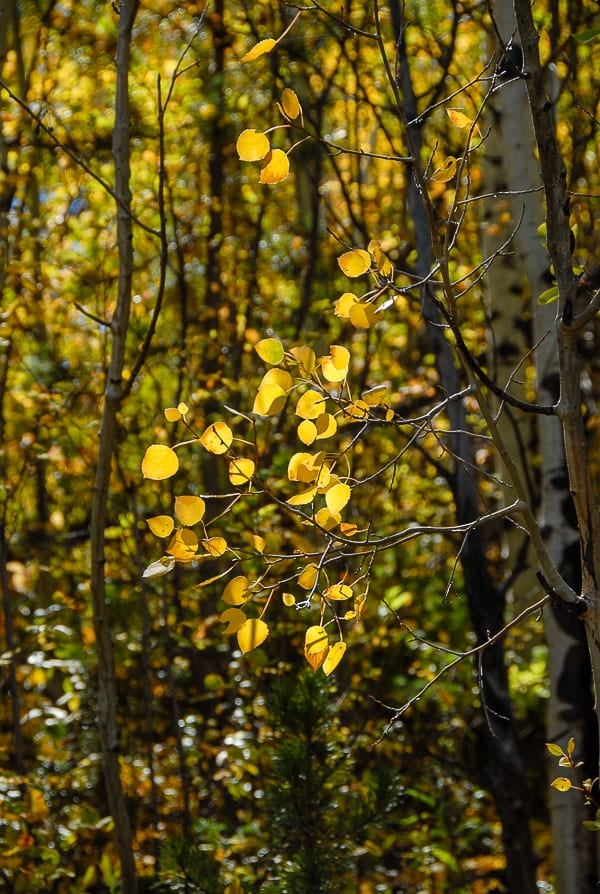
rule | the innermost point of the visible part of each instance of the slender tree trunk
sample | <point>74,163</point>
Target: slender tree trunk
<point>107,690</point>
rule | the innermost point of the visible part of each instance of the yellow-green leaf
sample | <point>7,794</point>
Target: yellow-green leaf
<point>571,745</point>
<point>234,618</point>
<point>161,525</point>
<point>252,145</point>
<point>355,263</point>
<point>189,510</point>
<point>236,591</point>
<point>217,438</point>
<point>275,167</point>
<point>270,350</point>
<point>337,497</point>
<point>259,49</point>
<point>241,471</point>
<point>315,640</point>
<point>327,519</point>
<point>446,171</point>
<point>554,749</point>
<point>290,104</point>
<point>549,295</point>
<point>159,462</point>
<point>251,634</point>
<point>561,784</point>
<point>334,656</point>
<point>288,599</point>
<point>172,414</point>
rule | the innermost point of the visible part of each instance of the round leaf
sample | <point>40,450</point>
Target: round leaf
<point>159,462</point>
<point>241,471</point>
<point>290,104</point>
<point>270,350</point>
<point>161,525</point>
<point>251,634</point>
<point>275,167</point>
<point>310,405</point>
<point>252,145</point>
<point>234,618</point>
<point>236,591</point>
<point>189,510</point>
<point>337,497</point>
<point>355,263</point>
<point>217,438</point>
<point>334,656</point>
<point>315,640</point>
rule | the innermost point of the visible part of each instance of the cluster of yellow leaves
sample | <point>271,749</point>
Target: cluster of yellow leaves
<point>252,145</point>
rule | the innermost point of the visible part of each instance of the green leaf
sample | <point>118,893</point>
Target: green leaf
<point>549,295</point>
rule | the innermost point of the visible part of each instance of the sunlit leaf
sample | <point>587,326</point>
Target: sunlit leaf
<point>561,784</point>
<point>315,639</point>
<point>215,546</point>
<point>159,568</point>
<point>310,405</point>
<point>344,304</point>
<point>241,471</point>
<point>290,104</point>
<point>458,118</point>
<point>327,519</point>
<point>269,401</point>
<point>308,577</point>
<point>183,545</point>
<point>338,592</point>
<point>258,543</point>
<point>334,656</point>
<point>348,529</point>
<point>234,618</point>
<point>305,467</point>
<point>270,350</point>
<point>326,425</point>
<point>159,462</point>
<point>554,749</point>
<point>161,525</point>
<point>172,414</point>
<point>363,316</point>
<point>355,263</point>
<point>382,262</point>
<point>217,438</point>
<point>259,49</point>
<point>288,599</point>
<point>275,167</point>
<point>571,745</point>
<point>251,634</point>
<point>305,358</point>
<point>189,510</point>
<point>236,591</point>
<point>307,496</point>
<point>276,376</point>
<point>307,432</point>
<point>252,145</point>
<point>446,171</point>
<point>335,365</point>
<point>358,409</point>
<point>337,497</point>
<point>316,659</point>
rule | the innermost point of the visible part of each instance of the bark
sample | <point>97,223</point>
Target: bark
<point>113,396</point>
<point>501,763</point>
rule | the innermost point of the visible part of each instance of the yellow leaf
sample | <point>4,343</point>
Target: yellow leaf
<point>348,529</point>
<point>315,640</point>
<point>217,438</point>
<point>334,656</point>
<point>571,745</point>
<point>290,104</point>
<point>326,426</point>
<point>305,358</point>
<point>446,171</point>
<point>270,350</point>
<point>337,497</point>
<point>382,262</point>
<point>279,377</point>
<point>234,618</point>
<point>269,401</point>
<point>215,546</point>
<point>275,167</point>
<point>555,750</point>
<point>183,545</point>
<point>159,462</point>
<point>288,599</point>
<point>236,591</point>
<point>363,316</point>
<point>561,784</point>
<point>251,634</point>
<point>157,569</point>
<point>161,525</point>
<point>326,519</point>
<point>338,592</point>
<point>308,577</point>
<point>358,409</point>
<point>310,405</point>
<point>316,659</point>
<point>252,145</point>
<point>355,263</point>
<point>335,365</point>
<point>259,49</point>
<point>182,408</point>
<point>305,467</point>
<point>172,414</point>
<point>375,396</point>
<point>189,510</point>
<point>458,118</point>
<point>344,305</point>
<point>307,432</point>
<point>241,471</point>
<point>307,496</point>
<point>258,543</point>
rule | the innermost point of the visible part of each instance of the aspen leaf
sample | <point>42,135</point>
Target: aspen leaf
<point>159,568</point>
<point>310,405</point>
<point>355,263</point>
<point>363,316</point>
<point>308,578</point>
<point>307,496</point>
<point>252,145</point>
<point>338,592</point>
<point>275,167</point>
<point>549,295</point>
<point>561,784</point>
<point>307,432</point>
<point>215,546</point>
<point>182,408</point>
<point>189,510</point>
<point>161,525</point>
<point>337,497</point>
<point>234,618</point>
<point>316,659</point>
<point>348,529</point>
<point>382,262</point>
<point>305,358</point>
<point>251,634</point>
<point>315,640</point>
<point>269,401</point>
<point>270,350</point>
<point>335,365</point>
<point>290,104</point>
<point>358,409</point>
<point>327,519</point>
<point>236,591</point>
<point>258,543</point>
<point>324,477</point>
<point>183,545</point>
<point>458,118</point>
<point>333,658</point>
<point>279,377</point>
<point>172,414</point>
<point>446,172</point>
<point>159,462</point>
<point>300,468</point>
<point>554,749</point>
<point>217,438</point>
<point>326,425</point>
<point>259,49</point>
<point>241,471</point>
<point>571,745</point>
<point>344,304</point>
<point>288,599</point>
